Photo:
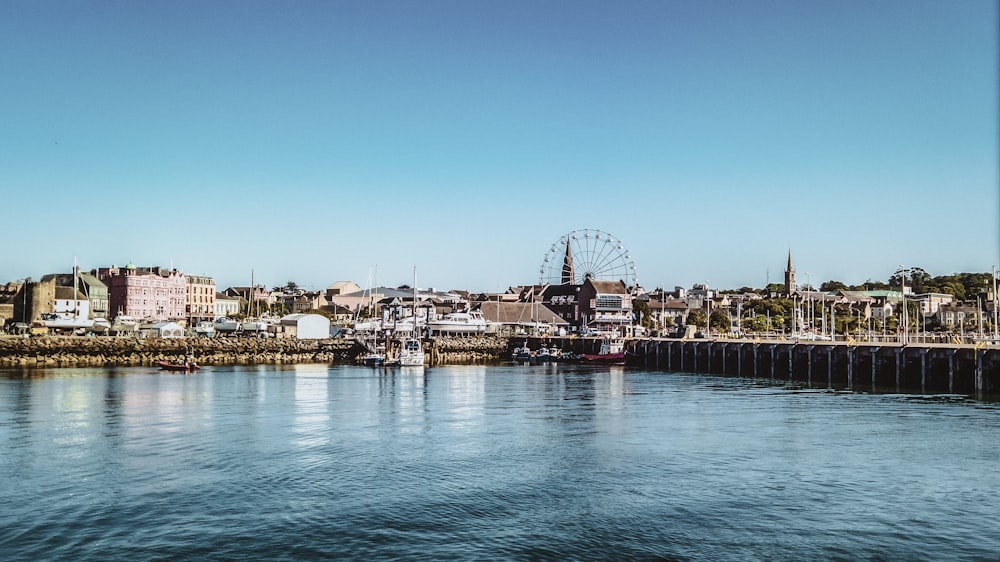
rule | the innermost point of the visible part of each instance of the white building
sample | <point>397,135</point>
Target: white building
<point>226,306</point>
<point>305,326</point>
<point>162,330</point>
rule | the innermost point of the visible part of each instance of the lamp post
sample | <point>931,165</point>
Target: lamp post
<point>809,312</point>
<point>708,312</point>
<point>902,271</point>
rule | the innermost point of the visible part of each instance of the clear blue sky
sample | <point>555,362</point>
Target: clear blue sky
<point>312,141</point>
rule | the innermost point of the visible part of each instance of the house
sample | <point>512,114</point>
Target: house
<point>225,305</point>
<point>342,288</point>
<point>958,316</point>
<point>256,298</point>
<point>93,288</point>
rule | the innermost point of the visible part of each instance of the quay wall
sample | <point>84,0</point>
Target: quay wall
<point>877,367</point>
<point>76,351</point>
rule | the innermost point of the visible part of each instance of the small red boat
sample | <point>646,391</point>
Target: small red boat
<point>612,353</point>
<point>185,367</point>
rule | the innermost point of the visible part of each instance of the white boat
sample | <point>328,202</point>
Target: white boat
<point>100,326</point>
<point>205,329</point>
<point>226,325</point>
<point>123,324</point>
<point>257,326</point>
<point>472,322</point>
<point>412,353</point>
<point>66,321</point>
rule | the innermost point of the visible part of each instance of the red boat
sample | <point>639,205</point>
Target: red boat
<point>185,367</point>
<point>612,353</point>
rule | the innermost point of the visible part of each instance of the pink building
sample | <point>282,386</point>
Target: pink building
<point>145,293</point>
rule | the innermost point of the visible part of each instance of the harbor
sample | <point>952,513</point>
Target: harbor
<point>931,368</point>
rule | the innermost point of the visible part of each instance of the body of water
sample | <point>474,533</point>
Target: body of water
<point>485,462</point>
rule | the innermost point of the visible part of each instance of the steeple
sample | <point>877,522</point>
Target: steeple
<point>568,274</point>
<point>790,275</point>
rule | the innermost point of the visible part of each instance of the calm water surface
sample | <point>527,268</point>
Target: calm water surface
<point>474,462</point>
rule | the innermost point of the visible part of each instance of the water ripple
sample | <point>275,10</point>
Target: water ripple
<point>487,463</point>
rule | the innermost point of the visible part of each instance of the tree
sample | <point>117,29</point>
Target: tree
<point>641,310</point>
<point>756,324</point>
<point>832,286</point>
<point>278,308</point>
<point>696,317</point>
<point>721,321</point>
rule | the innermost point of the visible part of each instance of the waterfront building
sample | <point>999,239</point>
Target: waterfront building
<point>145,293</point>
<point>605,306</point>
<point>224,305</point>
<point>564,300</point>
<point>93,289</point>
<point>524,318</point>
<point>199,299</point>
<point>304,326</point>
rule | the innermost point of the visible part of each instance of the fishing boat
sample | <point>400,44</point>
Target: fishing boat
<point>412,353</point>
<point>612,352</point>
<point>522,354</point>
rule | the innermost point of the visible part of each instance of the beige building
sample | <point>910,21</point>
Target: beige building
<point>200,303</point>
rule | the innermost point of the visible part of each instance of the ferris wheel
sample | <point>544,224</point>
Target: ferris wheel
<point>587,254</point>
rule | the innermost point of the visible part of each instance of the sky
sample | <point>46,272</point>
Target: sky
<point>372,141</point>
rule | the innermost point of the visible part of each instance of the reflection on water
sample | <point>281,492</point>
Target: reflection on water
<point>522,462</point>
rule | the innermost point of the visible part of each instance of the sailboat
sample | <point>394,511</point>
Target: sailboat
<point>411,354</point>
<point>375,356</point>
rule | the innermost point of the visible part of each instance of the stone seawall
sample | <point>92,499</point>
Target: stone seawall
<point>73,351</point>
<point>52,351</point>
<point>472,349</point>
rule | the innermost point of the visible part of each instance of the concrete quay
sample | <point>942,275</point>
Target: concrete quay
<point>972,370</point>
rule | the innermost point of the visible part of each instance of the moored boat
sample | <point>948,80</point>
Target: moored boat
<point>612,352</point>
<point>226,325</point>
<point>412,353</point>
<point>471,322</point>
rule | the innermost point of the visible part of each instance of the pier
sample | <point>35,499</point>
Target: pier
<point>877,367</point>
<point>972,370</point>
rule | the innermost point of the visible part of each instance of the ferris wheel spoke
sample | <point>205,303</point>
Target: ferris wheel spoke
<point>595,254</point>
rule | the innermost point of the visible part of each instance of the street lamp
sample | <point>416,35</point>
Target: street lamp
<point>902,271</point>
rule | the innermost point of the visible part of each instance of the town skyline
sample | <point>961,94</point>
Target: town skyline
<point>316,141</point>
<point>800,279</point>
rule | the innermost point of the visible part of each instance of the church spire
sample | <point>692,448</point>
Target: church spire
<point>790,275</point>
<point>568,274</point>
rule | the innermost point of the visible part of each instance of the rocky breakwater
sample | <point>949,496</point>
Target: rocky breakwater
<point>107,351</point>
<point>470,349</point>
